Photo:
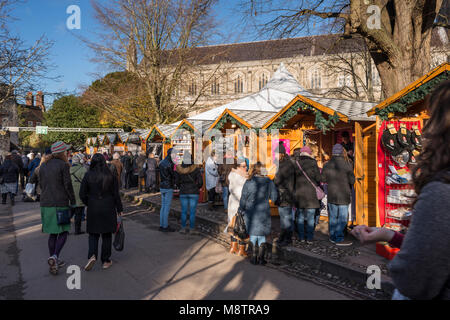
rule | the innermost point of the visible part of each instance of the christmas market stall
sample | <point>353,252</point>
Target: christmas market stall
<point>398,131</point>
<point>233,130</point>
<point>120,144</point>
<point>103,144</point>
<point>158,140</point>
<point>320,123</point>
<point>134,141</point>
<point>92,145</point>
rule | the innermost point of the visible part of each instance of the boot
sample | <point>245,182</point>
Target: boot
<point>12,195</point>
<point>4,196</point>
<point>282,238</point>
<point>234,247</point>
<point>261,254</point>
<point>254,258</point>
<point>242,252</point>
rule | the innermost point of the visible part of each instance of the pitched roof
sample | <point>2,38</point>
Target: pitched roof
<point>286,48</point>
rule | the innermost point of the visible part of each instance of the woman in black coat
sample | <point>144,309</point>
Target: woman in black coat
<point>305,193</point>
<point>100,193</point>
<point>9,173</point>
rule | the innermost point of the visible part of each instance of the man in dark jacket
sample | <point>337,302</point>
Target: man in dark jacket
<point>285,183</point>
<point>140,162</point>
<point>305,193</point>
<point>127,162</point>
<point>150,171</point>
<point>9,173</point>
<point>338,173</point>
<point>17,159</point>
<point>167,174</point>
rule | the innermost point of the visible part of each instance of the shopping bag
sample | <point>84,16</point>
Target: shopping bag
<point>119,237</point>
<point>240,230</point>
<point>29,189</point>
<point>231,225</point>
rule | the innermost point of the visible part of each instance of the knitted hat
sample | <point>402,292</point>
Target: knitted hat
<point>338,149</point>
<point>306,149</point>
<point>59,147</point>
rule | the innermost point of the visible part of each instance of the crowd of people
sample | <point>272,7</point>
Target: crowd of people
<point>65,184</point>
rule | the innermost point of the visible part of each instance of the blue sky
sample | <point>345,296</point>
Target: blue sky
<point>72,57</point>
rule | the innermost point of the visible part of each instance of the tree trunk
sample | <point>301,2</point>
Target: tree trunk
<point>401,49</point>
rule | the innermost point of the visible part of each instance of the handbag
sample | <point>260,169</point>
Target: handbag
<point>320,194</point>
<point>119,237</point>
<point>240,230</point>
<point>63,216</point>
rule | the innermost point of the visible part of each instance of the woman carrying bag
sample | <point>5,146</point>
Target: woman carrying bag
<point>236,179</point>
<point>100,193</point>
<point>254,203</point>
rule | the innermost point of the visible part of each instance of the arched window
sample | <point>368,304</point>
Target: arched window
<point>316,80</point>
<point>215,87</point>
<point>262,80</point>
<point>238,85</point>
<point>192,88</point>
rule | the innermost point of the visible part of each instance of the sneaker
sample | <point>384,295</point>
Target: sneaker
<point>332,241</point>
<point>52,262</point>
<point>170,229</point>
<point>309,242</point>
<point>344,243</point>
<point>61,263</point>
<point>90,263</point>
<point>107,264</point>
<point>183,231</point>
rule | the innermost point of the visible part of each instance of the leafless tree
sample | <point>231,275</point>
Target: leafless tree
<point>22,67</point>
<point>397,32</point>
<point>155,40</point>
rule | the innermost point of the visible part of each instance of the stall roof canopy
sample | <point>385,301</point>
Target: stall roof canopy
<point>111,137</point>
<point>277,93</point>
<point>248,118</point>
<point>195,125</point>
<point>166,129</point>
<point>123,136</point>
<point>445,67</point>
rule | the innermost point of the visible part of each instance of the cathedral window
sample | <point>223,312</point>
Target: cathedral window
<point>238,85</point>
<point>215,87</point>
<point>262,81</point>
<point>316,80</point>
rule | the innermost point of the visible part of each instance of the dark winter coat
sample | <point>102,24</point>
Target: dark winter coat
<point>338,173</point>
<point>254,202</point>
<point>56,184</point>
<point>33,165</point>
<point>166,173</point>
<point>103,205</point>
<point>9,171</point>
<point>285,182</point>
<point>140,161</point>
<point>305,193</point>
<point>188,178</point>
<point>18,161</point>
<point>127,163</point>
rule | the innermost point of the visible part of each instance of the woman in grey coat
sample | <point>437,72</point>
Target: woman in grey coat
<point>254,203</point>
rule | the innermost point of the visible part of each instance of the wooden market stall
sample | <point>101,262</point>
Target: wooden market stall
<point>158,141</point>
<point>397,140</point>
<point>320,123</point>
<point>92,146</point>
<point>120,143</point>
<point>134,141</point>
<point>103,144</point>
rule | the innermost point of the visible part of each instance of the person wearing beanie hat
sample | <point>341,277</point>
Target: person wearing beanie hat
<point>167,183</point>
<point>119,167</point>
<point>77,172</point>
<point>57,196</point>
<point>285,182</point>
<point>338,174</point>
<point>305,195</point>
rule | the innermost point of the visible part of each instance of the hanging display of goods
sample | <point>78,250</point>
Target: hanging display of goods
<point>395,227</point>
<point>405,196</point>
<point>416,137</point>
<point>390,141</point>
<point>404,137</point>
<point>400,213</point>
<point>400,176</point>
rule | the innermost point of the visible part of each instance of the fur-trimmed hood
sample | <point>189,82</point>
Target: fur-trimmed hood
<point>187,169</point>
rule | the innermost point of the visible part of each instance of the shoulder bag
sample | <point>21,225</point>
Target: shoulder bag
<point>319,192</point>
<point>63,216</point>
<point>240,230</point>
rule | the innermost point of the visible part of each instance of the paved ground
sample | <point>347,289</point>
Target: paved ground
<point>154,265</point>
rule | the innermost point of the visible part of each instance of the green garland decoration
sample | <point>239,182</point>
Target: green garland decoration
<point>401,106</point>
<point>153,133</point>
<point>167,141</point>
<point>219,125</point>
<point>320,122</point>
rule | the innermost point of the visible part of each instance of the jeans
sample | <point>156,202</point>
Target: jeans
<point>106,246</point>
<point>338,217</point>
<point>257,239</point>
<point>188,202</point>
<point>309,216</point>
<point>166,200</point>
<point>225,197</point>
<point>285,218</point>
